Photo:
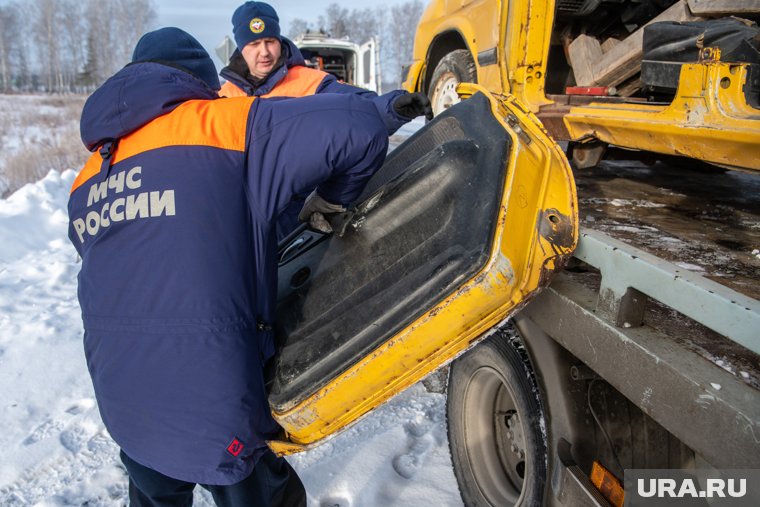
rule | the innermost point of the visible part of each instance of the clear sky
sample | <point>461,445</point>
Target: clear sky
<point>209,21</point>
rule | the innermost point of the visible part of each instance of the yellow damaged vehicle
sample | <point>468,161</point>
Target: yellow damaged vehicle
<point>665,76</point>
<point>644,352</point>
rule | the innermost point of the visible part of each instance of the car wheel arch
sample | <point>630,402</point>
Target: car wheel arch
<point>443,44</point>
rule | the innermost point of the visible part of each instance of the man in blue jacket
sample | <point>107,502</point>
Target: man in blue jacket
<point>173,217</point>
<point>266,64</point>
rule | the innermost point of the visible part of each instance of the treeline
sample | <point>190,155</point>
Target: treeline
<point>58,46</point>
<point>393,27</point>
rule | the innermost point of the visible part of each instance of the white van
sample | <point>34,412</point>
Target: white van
<point>351,63</point>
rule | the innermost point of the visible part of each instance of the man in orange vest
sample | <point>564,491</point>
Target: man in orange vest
<point>269,65</point>
<point>266,64</point>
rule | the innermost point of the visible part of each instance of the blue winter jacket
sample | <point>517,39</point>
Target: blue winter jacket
<point>176,234</point>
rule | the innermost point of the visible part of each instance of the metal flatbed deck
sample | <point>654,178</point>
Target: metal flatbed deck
<point>662,301</point>
<point>703,219</point>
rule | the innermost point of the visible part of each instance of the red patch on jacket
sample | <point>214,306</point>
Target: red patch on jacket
<point>235,447</point>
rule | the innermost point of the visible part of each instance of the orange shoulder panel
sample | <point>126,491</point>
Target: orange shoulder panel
<point>300,81</point>
<point>230,90</point>
<point>90,169</point>
<point>212,123</point>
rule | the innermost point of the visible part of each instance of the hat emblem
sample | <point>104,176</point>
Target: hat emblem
<point>257,25</point>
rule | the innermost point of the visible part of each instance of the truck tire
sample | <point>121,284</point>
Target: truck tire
<point>495,423</point>
<point>454,68</point>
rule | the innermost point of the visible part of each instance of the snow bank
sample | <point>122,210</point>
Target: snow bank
<point>34,218</point>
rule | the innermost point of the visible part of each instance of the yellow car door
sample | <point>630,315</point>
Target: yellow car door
<point>464,224</point>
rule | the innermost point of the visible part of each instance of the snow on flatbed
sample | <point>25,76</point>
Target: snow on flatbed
<point>703,219</point>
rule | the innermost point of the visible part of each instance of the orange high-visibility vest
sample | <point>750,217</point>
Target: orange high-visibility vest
<point>298,82</point>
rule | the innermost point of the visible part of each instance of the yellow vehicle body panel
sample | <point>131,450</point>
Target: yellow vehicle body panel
<point>536,232</point>
<point>528,30</point>
<point>474,22</point>
<point>484,25</point>
<point>413,81</point>
<point>414,75</point>
<point>708,120</point>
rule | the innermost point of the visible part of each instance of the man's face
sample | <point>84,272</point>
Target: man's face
<point>261,55</point>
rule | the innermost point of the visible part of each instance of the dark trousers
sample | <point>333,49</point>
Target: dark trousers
<point>273,483</point>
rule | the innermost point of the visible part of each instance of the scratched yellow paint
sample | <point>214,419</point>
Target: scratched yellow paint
<point>519,33</point>
<point>709,119</point>
<point>521,262</point>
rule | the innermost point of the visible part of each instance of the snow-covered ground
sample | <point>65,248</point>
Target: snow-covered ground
<point>55,450</point>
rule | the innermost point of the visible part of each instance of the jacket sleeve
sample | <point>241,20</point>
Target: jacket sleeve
<point>384,103</point>
<point>332,142</point>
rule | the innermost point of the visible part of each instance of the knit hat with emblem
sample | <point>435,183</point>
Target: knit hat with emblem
<point>254,20</point>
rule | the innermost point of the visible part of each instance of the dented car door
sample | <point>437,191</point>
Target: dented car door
<point>466,221</point>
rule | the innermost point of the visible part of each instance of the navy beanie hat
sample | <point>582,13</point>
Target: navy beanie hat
<point>178,48</point>
<point>254,20</point>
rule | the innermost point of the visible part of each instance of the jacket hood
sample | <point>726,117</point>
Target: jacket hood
<point>133,97</point>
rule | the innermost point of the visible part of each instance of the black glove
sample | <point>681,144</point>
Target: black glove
<point>412,105</point>
<point>314,210</point>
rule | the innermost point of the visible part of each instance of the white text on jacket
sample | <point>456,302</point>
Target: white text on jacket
<point>140,205</point>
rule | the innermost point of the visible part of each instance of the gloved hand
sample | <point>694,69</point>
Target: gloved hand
<point>314,210</point>
<point>412,105</point>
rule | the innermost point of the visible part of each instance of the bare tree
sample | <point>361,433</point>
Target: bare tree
<point>72,41</point>
<point>297,27</point>
<point>361,25</point>
<point>113,27</point>
<point>97,26</point>
<point>336,21</point>
<point>9,32</point>
<point>381,27</point>
<point>68,45</point>
<point>400,33</point>
<point>65,58</point>
<point>47,43</point>
<point>395,39</point>
<point>140,18</point>
<point>25,75</point>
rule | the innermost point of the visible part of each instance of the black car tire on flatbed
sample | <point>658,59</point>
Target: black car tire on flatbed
<point>495,421</point>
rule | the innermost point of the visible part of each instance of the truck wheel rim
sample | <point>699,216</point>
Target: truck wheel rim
<point>494,437</point>
<point>445,93</point>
